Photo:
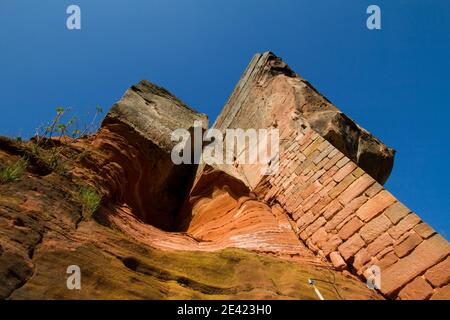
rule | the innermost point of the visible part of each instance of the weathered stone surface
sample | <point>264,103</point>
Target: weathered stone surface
<point>350,228</point>
<point>356,189</point>
<point>325,183</point>
<point>379,244</point>
<point>375,205</point>
<point>387,259</point>
<point>122,257</point>
<point>374,228</point>
<point>344,171</point>
<point>407,245</point>
<point>361,258</point>
<point>439,275</point>
<point>424,256</point>
<point>418,289</point>
<point>331,244</point>
<point>424,230</point>
<point>286,98</point>
<point>347,211</point>
<point>222,212</point>
<point>337,261</point>
<point>396,212</point>
<point>351,246</point>
<point>442,293</point>
<point>406,224</point>
<point>135,138</point>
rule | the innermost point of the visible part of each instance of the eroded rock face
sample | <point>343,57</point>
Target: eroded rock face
<point>42,233</point>
<point>222,231</point>
<point>269,94</point>
<point>135,145</point>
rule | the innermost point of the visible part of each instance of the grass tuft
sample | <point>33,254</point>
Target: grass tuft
<point>90,200</point>
<point>14,171</point>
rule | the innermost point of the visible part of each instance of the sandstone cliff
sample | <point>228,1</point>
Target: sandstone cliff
<point>166,231</point>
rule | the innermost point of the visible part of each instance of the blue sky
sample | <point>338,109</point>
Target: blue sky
<point>393,81</point>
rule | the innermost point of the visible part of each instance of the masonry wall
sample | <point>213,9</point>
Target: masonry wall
<point>343,214</point>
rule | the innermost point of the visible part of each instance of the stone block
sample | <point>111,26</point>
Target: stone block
<point>375,205</point>
<point>356,188</point>
<point>379,244</point>
<point>424,230</point>
<point>418,289</point>
<point>396,212</point>
<point>439,275</point>
<point>407,245</point>
<point>337,261</point>
<point>350,247</point>
<point>406,224</point>
<point>375,228</point>
<point>350,228</point>
<point>442,293</point>
<point>344,171</point>
<point>424,256</point>
<point>341,186</point>
<point>331,245</point>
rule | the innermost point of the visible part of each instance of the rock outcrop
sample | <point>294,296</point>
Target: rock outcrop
<point>270,94</point>
<point>135,144</point>
<point>167,231</point>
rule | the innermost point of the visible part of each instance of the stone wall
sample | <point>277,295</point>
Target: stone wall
<point>343,214</point>
<point>329,182</point>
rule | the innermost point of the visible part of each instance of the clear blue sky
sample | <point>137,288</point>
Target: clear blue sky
<point>393,81</point>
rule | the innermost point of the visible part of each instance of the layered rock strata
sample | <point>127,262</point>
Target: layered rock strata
<point>219,230</point>
<point>329,182</point>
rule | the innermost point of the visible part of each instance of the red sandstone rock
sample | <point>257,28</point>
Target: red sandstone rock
<point>337,260</point>
<point>407,245</point>
<point>351,246</point>
<point>418,289</point>
<point>350,228</point>
<point>424,230</point>
<point>339,211</point>
<point>379,244</point>
<point>396,212</point>
<point>406,224</point>
<point>424,256</point>
<point>375,205</point>
<point>439,275</point>
<point>374,228</point>
<point>442,293</point>
<point>356,189</point>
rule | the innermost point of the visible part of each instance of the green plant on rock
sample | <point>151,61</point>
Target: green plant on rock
<point>71,129</point>
<point>90,200</point>
<point>14,171</point>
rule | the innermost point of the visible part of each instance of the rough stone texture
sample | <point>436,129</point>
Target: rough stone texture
<point>396,212</point>
<point>424,256</point>
<point>269,93</point>
<point>374,228</point>
<point>350,228</point>
<point>375,205</point>
<point>379,244</point>
<point>442,293</point>
<point>439,276</point>
<point>337,260</point>
<point>219,231</point>
<point>123,257</point>
<point>424,230</point>
<point>319,183</point>
<point>407,245</point>
<point>351,246</point>
<point>406,224</point>
<point>135,139</point>
<point>418,289</point>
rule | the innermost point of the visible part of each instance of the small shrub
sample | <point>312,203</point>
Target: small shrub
<point>13,172</point>
<point>90,201</point>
